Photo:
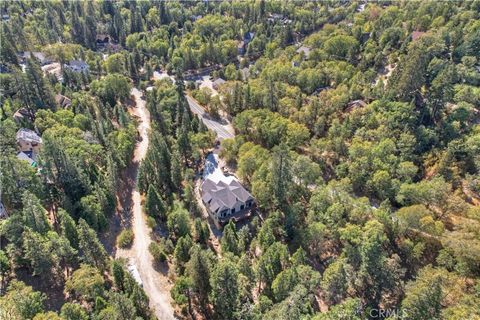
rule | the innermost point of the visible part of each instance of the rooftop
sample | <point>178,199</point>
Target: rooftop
<point>220,191</point>
<point>306,50</point>
<point>28,135</point>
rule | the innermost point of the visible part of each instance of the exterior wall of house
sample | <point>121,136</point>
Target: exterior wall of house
<point>239,206</point>
<point>28,146</point>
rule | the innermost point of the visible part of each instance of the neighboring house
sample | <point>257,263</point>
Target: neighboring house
<point>27,156</point>
<point>63,101</point>
<point>224,196</point>
<point>40,56</point>
<point>247,37</point>
<point>28,140</point>
<point>217,83</point>
<point>22,115</point>
<point>241,48</point>
<point>77,66</point>
<point>54,69</point>
<point>416,35</point>
<point>3,211</point>
<point>305,50</point>
<point>355,105</point>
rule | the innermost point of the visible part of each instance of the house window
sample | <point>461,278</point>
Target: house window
<point>233,210</point>
<point>242,207</point>
<point>249,204</point>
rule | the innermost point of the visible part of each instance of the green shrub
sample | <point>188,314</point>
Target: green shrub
<point>151,223</point>
<point>157,252</point>
<point>125,238</point>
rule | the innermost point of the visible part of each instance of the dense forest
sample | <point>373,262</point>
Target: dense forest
<point>357,131</point>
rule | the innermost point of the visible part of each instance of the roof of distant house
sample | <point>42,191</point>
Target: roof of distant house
<point>306,50</point>
<point>417,34</point>
<point>55,69</point>
<point>28,135</point>
<point>78,64</point>
<point>248,35</point>
<point>40,56</point>
<point>355,104</point>
<point>219,81</point>
<point>63,101</point>
<point>21,113</point>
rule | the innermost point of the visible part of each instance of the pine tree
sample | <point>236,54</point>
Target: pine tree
<point>37,253</point>
<point>198,269</point>
<point>281,174</point>
<point>34,215</point>
<point>68,227</point>
<point>225,294</point>
<point>93,251</point>
<point>38,87</point>
<point>229,240</point>
<point>154,204</point>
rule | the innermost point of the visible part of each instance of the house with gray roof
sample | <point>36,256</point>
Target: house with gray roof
<point>28,140</point>
<point>78,66</point>
<point>223,195</point>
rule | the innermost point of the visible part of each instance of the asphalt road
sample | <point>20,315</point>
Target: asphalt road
<point>223,131</point>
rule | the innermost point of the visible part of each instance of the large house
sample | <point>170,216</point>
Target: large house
<point>223,195</point>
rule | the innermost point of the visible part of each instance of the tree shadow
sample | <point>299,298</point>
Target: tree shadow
<point>123,216</point>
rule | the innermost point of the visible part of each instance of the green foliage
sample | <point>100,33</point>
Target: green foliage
<point>21,302</point>
<point>86,283</point>
<point>157,252</point>
<point>93,251</point>
<point>225,295</point>
<point>125,238</point>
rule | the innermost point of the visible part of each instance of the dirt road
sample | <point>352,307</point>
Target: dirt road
<point>155,284</point>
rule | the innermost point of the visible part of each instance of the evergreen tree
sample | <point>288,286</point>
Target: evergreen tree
<point>154,204</point>
<point>93,251</point>
<point>37,253</point>
<point>230,239</point>
<point>68,227</point>
<point>198,270</point>
<point>225,295</point>
<point>38,88</point>
<point>34,215</point>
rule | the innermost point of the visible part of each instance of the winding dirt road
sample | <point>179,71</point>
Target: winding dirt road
<point>155,283</point>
